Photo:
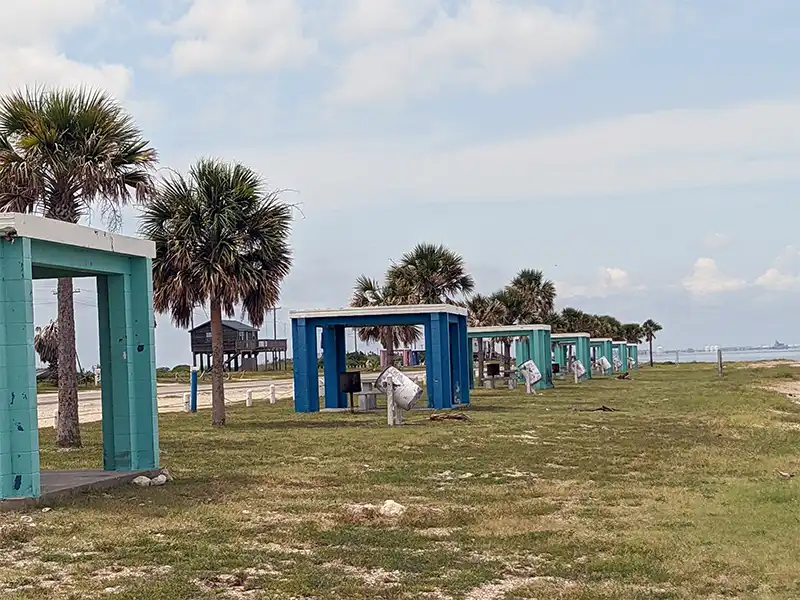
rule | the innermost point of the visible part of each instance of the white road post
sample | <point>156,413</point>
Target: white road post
<point>187,402</point>
<point>249,401</point>
<point>272,396</point>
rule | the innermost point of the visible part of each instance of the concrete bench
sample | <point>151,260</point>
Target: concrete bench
<point>368,396</point>
<point>510,381</point>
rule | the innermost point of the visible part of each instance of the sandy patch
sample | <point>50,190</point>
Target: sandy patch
<point>498,590</point>
<point>771,364</point>
<point>372,577</point>
<point>790,389</point>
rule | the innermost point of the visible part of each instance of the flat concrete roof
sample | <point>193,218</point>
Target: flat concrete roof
<point>506,328</point>
<point>601,340</point>
<point>563,336</point>
<point>620,342</point>
<point>69,234</point>
<point>377,311</point>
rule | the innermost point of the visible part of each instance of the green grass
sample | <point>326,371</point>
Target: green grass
<point>674,496</point>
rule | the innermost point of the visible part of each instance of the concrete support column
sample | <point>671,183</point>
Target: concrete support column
<point>429,371</point>
<point>127,359</point>
<point>464,362</point>
<point>334,361</point>
<point>19,426</point>
<point>440,358</point>
<point>304,355</point>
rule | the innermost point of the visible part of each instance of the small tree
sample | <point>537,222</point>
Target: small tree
<point>649,330</point>
<point>221,239</point>
<point>45,343</point>
<point>369,292</point>
<point>483,311</point>
<point>62,153</point>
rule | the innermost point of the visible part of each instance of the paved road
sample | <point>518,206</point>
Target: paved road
<point>170,398</point>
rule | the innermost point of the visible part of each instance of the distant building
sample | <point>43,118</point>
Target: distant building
<point>240,347</point>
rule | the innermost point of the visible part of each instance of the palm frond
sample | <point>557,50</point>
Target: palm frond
<point>219,234</point>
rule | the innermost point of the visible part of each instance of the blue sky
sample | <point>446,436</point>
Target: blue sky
<point>644,153</point>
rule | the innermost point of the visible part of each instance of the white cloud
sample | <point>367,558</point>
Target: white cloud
<point>610,281</point>
<point>706,279</point>
<point>241,35</point>
<point>789,258</point>
<point>368,20</point>
<point>717,241</point>
<point>776,281</point>
<point>639,153</point>
<point>30,56</point>
<point>783,275</point>
<point>422,48</point>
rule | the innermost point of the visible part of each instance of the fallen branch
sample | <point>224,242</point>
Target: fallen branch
<point>449,417</point>
<point>602,408</point>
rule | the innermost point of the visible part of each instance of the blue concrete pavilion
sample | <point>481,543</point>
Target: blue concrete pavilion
<point>446,350</point>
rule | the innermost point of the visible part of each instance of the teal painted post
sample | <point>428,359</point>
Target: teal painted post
<point>304,361</point>
<point>142,351</point>
<point>521,353</point>
<point>458,359</point>
<point>634,353</point>
<point>583,352</point>
<point>560,353</point>
<point>622,349</point>
<point>429,352</point>
<point>334,362</point>
<point>471,361</point>
<point>466,350</point>
<point>127,362</point>
<point>545,344</point>
<point>440,357</point>
<point>19,424</point>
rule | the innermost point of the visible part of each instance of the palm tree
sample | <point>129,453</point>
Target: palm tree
<point>632,333</point>
<point>555,320</point>
<point>513,313</point>
<point>610,327</point>
<point>538,295</point>
<point>577,321</point>
<point>369,292</point>
<point>431,274</point>
<point>483,311</point>
<point>649,330</point>
<point>45,343</point>
<point>221,239</point>
<point>63,152</point>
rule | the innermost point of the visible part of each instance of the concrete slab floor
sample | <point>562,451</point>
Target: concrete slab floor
<point>57,486</point>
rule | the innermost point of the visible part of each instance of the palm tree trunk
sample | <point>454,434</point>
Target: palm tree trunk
<point>481,360</point>
<point>506,357</point>
<point>217,383</point>
<point>651,351</point>
<point>389,345</point>
<point>68,434</point>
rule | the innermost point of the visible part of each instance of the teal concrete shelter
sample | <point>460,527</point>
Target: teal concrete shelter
<point>603,347</point>
<point>621,352</point>
<point>532,343</point>
<point>572,344</point>
<point>633,354</point>
<point>37,248</point>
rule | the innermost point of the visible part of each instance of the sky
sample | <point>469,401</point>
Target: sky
<point>645,154</point>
